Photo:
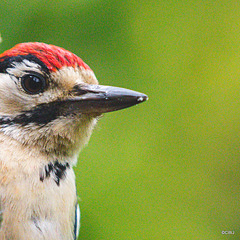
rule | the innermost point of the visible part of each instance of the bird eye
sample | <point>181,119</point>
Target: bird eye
<point>33,84</point>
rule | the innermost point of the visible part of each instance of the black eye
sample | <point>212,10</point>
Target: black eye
<point>33,84</point>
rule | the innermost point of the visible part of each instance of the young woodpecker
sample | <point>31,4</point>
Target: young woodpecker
<point>50,101</point>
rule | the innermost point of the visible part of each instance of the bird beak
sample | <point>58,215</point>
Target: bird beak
<point>101,99</point>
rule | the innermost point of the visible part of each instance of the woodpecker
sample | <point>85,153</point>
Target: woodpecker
<point>50,102</point>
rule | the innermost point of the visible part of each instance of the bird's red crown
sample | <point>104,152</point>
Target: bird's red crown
<point>52,56</point>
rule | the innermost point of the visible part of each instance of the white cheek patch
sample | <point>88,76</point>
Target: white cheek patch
<point>7,83</point>
<point>20,68</point>
<point>12,99</point>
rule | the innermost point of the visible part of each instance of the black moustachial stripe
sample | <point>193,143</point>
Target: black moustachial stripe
<point>40,115</point>
<point>55,170</point>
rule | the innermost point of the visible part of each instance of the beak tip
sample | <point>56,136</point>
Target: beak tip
<point>142,98</point>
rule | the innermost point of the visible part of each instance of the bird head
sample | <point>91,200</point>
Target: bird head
<point>50,99</point>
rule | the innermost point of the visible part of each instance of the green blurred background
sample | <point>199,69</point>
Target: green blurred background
<point>168,168</point>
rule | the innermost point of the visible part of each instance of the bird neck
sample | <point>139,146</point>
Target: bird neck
<point>61,139</point>
<point>15,155</point>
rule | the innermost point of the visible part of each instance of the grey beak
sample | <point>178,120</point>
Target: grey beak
<point>89,99</point>
<point>101,99</point>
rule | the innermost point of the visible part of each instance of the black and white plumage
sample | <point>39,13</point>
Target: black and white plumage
<point>50,101</point>
<point>77,221</point>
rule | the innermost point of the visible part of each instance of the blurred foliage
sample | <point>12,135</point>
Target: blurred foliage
<point>168,168</point>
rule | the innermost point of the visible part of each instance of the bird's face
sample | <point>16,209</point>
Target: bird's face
<point>50,99</point>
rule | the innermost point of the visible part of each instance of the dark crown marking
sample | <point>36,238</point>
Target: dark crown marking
<point>55,170</point>
<point>8,62</point>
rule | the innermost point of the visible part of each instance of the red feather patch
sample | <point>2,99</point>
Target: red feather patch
<point>52,56</point>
